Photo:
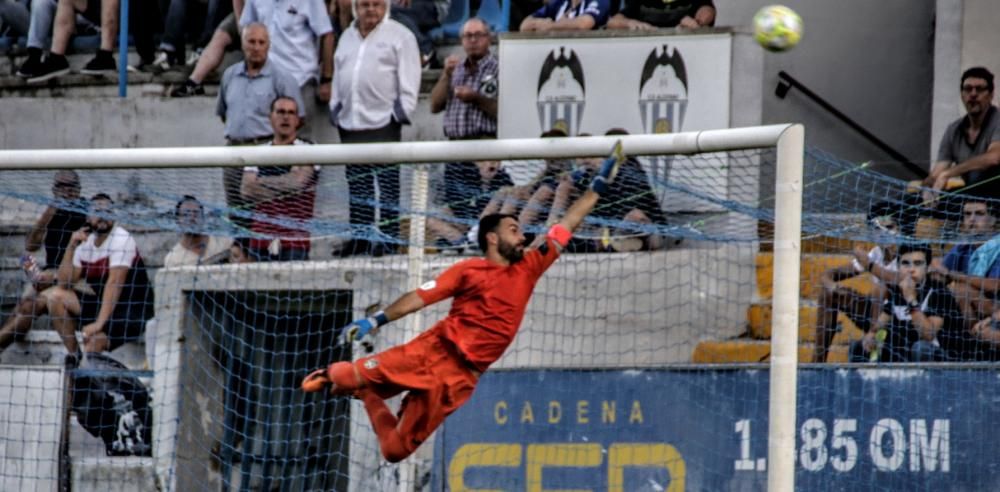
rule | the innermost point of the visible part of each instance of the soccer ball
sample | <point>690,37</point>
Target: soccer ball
<point>777,28</point>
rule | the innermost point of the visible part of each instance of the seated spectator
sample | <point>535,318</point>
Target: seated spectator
<point>180,13</point>
<point>468,188</point>
<point>239,253</point>
<point>14,18</point>
<point>52,230</point>
<point>917,317</point>
<point>283,195</point>
<point>975,293</point>
<point>881,262</point>
<point>634,202</point>
<point>646,15</point>
<point>104,11</point>
<point>105,255</point>
<point>39,34</point>
<point>194,247</point>
<point>568,15</point>
<point>970,146</point>
<point>223,39</point>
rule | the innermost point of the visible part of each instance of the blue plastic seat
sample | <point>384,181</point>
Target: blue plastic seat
<point>497,16</point>
<point>458,13</point>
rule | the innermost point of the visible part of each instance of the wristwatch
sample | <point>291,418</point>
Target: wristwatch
<point>914,305</point>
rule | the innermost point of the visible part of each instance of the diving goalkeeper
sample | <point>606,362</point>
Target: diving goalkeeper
<point>440,368</point>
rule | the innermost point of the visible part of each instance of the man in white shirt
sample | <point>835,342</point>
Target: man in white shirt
<point>301,46</point>
<point>106,256</point>
<point>376,82</point>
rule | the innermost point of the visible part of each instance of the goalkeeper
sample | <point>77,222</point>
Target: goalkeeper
<point>440,368</point>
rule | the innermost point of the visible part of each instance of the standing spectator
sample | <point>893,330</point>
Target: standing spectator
<point>284,195</point>
<point>646,15</point>
<point>468,188</point>
<point>106,256</point>
<point>378,79</point>
<point>194,247</point>
<point>918,309</point>
<point>245,96</point>
<point>881,262</point>
<point>568,15</point>
<point>301,46</point>
<point>52,231</point>
<point>970,147</point>
<point>467,90</point>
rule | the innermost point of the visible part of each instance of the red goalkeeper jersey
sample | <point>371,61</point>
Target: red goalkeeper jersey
<point>489,301</point>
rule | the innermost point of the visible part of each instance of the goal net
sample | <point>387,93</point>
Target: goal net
<point>638,365</point>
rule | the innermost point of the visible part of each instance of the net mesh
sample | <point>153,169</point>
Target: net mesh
<point>672,269</point>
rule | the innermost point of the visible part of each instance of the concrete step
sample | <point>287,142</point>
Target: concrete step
<point>107,474</point>
<point>752,351</point>
<point>759,324</point>
<point>811,268</point>
<point>45,347</point>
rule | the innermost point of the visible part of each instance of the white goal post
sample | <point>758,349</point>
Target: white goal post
<point>788,139</point>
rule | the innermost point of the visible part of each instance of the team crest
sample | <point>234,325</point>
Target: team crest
<point>371,364</point>
<point>663,91</point>
<point>561,92</point>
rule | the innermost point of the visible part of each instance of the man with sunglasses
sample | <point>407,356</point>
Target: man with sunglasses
<point>970,147</point>
<point>879,261</point>
<point>51,231</point>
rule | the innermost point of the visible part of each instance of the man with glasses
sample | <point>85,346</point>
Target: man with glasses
<point>467,89</point>
<point>51,231</point>
<point>880,261</point>
<point>194,247</point>
<point>970,147</point>
<point>376,83</point>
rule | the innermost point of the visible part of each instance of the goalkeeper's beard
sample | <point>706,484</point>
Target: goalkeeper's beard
<point>511,252</point>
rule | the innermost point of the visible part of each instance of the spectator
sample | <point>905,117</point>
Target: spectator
<point>568,15</point>
<point>284,195</point>
<point>301,46</point>
<point>881,262</point>
<point>647,15</point>
<point>238,253</point>
<point>534,199</point>
<point>211,57</point>
<point>104,11</point>
<point>917,311</point>
<point>419,16</point>
<point>180,13</point>
<point>376,93</point>
<point>975,294</point>
<point>52,230</point>
<point>14,18</point>
<point>467,89</point>
<point>106,256</point>
<point>468,188</point>
<point>245,96</point>
<point>970,147</point>
<point>194,247</point>
<point>634,203</point>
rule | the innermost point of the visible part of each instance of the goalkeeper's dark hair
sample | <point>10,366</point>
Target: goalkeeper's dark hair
<point>907,248</point>
<point>489,224</point>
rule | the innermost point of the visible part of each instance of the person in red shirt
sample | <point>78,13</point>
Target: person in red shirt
<point>440,368</point>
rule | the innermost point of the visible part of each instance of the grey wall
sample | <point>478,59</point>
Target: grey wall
<point>872,60</point>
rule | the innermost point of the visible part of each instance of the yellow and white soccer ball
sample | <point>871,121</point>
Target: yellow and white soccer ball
<point>777,28</point>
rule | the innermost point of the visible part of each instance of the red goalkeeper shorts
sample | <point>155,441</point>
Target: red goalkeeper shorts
<point>435,374</point>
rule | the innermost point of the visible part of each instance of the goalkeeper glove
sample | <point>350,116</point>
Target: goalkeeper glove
<point>609,169</point>
<point>361,331</point>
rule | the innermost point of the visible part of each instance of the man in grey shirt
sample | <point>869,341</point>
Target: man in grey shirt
<point>245,97</point>
<point>970,147</point>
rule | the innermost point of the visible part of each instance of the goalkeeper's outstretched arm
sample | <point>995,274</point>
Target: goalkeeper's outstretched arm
<point>599,186</point>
